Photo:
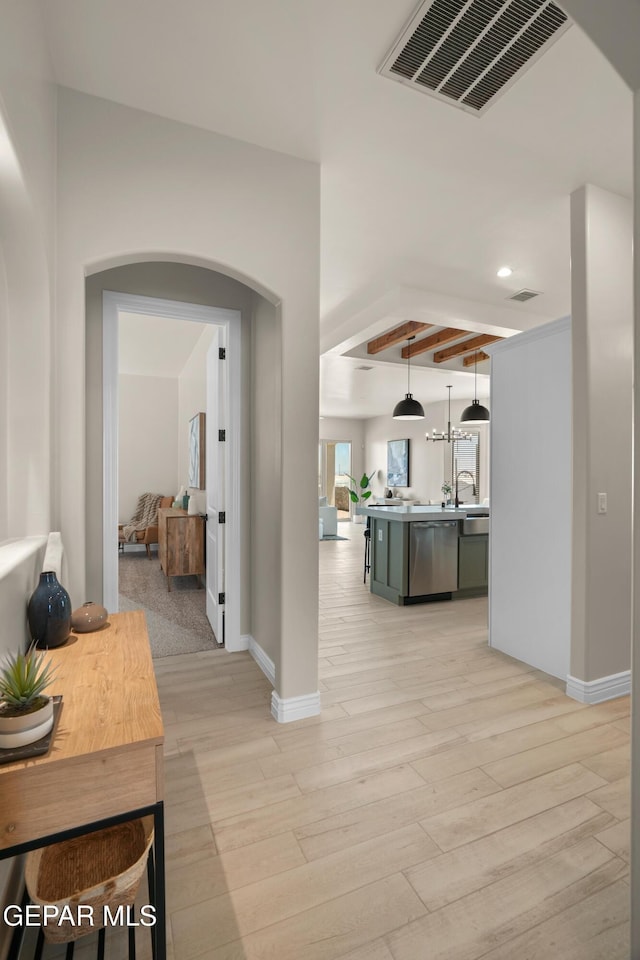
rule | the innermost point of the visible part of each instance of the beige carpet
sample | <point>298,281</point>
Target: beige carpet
<point>177,620</point>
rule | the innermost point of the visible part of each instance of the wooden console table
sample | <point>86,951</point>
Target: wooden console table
<point>105,764</point>
<point>180,543</point>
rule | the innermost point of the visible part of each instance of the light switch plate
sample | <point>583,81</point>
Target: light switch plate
<point>380,536</point>
<point>602,503</point>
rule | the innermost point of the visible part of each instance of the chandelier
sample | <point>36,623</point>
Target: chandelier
<point>451,434</point>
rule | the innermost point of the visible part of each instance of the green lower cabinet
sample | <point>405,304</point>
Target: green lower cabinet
<point>389,575</point>
<point>473,565</point>
<point>390,560</point>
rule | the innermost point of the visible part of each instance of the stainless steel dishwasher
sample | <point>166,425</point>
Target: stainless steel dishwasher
<point>433,557</point>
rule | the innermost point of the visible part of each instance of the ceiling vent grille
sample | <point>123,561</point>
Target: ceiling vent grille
<point>523,295</point>
<point>466,52</point>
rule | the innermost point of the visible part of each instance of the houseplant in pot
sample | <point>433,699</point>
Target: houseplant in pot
<point>26,713</point>
<point>446,492</point>
<point>360,492</point>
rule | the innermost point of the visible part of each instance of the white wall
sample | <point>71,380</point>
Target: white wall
<point>4,400</point>
<point>147,439</point>
<point>134,186</point>
<point>602,320</point>
<point>28,104</point>
<point>635,655</point>
<point>27,204</point>
<point>429,461</point>
<point>267,493</point>
<point>531,501</point>
<point>192,399</point>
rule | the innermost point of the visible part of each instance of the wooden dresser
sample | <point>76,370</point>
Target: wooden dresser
<point>180,543</point>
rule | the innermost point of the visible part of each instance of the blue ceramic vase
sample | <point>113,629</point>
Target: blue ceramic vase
<point>49,612</point>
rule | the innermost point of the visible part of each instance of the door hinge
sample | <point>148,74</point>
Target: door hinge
<point>222,353</point>
<point>222,435</point>
<point>222,517</point>
<point>221,598</point>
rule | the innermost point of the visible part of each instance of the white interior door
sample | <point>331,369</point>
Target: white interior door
<point>215,481</point>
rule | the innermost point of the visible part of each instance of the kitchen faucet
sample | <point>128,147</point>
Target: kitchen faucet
<point>473,483</point>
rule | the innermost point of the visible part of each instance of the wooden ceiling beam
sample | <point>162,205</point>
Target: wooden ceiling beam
<point>476,357</point>
<point>468,346</point>
<point>435,340</point>
<point>397,335</point>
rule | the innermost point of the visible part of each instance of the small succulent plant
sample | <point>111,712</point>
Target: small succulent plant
<point>23,677</point>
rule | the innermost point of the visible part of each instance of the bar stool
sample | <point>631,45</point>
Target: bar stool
<point>367,549</point>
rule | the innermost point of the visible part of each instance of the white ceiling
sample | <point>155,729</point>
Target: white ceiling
<point>375,392</point>
<point>421,203</point>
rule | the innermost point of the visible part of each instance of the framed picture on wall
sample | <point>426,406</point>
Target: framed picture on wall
<point>397,463</point>
<point>197,452</point>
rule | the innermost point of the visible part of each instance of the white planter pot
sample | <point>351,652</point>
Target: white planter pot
<point>359,518</point>
<point>27,728</point>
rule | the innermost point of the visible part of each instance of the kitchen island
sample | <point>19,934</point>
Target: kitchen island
<point>424,553</point>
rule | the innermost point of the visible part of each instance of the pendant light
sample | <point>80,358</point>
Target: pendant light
<point>476,413</point>
<point>408,409</point>
<point>451,434</point>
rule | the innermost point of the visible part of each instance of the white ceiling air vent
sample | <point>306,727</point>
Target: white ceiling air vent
<point>466,52</point>
<point>522,295</point>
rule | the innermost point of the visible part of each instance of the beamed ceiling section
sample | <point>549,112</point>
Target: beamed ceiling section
<point>440,346</point>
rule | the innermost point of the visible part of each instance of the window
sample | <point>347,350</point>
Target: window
<point>465,466</point>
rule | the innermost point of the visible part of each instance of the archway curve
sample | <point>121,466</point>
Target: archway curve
<point>193,260</point>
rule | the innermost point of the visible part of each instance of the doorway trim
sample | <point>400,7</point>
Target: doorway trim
<point>112,303</point>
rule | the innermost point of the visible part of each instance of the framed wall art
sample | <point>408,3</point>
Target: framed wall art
<point>197,452</point>
<point>397,463</point>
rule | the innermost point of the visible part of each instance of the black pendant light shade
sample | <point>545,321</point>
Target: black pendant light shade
<point>408,409</point>
<point>476,413</point>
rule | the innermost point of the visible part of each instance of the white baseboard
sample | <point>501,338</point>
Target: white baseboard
<point>604,688</point>
<point>290,708</point>
<point>295,708</point>
<point>263,660</point>
<point>242,644</point>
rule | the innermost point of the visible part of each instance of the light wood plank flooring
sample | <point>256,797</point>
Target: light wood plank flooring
<point>449,803</point>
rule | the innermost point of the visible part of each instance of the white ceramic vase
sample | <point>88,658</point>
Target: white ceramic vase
<point>26,728</point>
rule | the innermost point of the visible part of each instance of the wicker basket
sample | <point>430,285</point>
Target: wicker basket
<point>96,870</point>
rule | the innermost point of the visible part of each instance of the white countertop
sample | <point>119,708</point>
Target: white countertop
<point>416,512</point>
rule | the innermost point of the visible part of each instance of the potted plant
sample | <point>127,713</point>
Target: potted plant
<point>26,714</point>
<point>360,492</point>
<point>446,491</point>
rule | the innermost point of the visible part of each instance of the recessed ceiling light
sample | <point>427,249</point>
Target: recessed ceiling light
<point>505,272</point>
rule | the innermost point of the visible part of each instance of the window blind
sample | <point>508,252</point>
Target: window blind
<point>465,465</point>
